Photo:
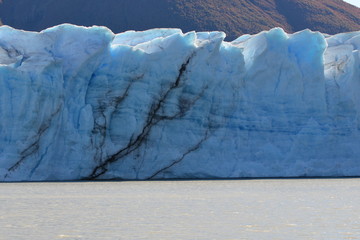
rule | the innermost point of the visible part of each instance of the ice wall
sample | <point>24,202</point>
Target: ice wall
<point>84,103</point>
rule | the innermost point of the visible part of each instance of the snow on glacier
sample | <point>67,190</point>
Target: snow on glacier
<point>84,103</point>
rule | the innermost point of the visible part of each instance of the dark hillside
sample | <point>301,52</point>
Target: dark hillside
<point>322,15</point>
<point>235,17</point>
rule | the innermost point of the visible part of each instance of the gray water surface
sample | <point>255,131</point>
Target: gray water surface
<point>237,209</point>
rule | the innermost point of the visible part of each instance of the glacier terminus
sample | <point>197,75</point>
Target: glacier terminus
<point>81,103</point>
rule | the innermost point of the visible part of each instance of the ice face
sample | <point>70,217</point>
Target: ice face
<point>84,103</point>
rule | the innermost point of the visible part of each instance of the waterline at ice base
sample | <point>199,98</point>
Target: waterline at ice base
<point>84,103</point>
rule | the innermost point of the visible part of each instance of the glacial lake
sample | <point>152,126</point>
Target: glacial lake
<point>224,209</point>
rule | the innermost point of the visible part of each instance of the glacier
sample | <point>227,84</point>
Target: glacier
<point>83,103</point>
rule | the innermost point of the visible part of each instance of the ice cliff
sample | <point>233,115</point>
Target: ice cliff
<point>84,103</point>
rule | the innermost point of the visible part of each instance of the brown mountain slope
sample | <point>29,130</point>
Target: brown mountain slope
<point>322,15</point>
<point>235,17</point>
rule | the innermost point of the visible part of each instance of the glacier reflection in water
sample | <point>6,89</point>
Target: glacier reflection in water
<point>238,209</point>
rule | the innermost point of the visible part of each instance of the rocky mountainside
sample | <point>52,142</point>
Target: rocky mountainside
<point>235,17</point>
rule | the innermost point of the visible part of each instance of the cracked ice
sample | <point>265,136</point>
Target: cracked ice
<point>85,103</point>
